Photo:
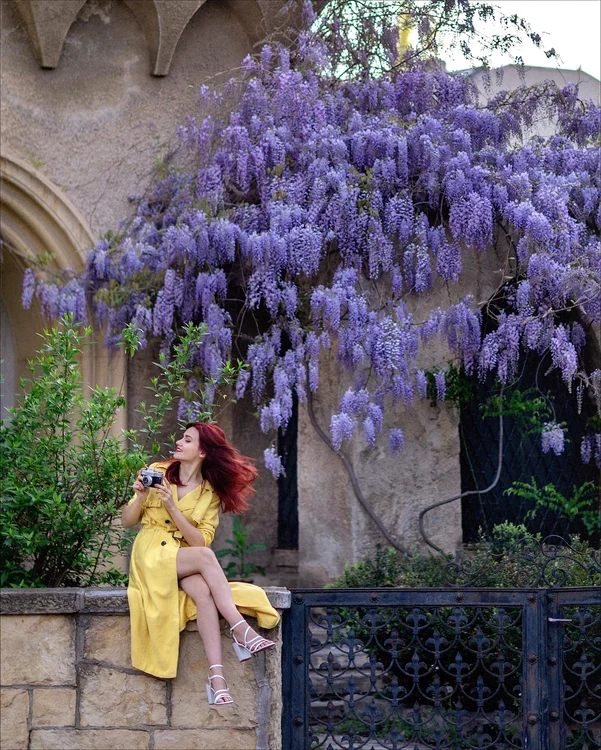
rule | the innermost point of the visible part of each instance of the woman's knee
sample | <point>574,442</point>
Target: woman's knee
<point>196,588</point>
<point>205,555</point>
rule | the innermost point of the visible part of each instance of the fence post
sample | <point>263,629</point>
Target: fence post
<point>295,660</point>
<point>533,688</point>
<point>554,725</point>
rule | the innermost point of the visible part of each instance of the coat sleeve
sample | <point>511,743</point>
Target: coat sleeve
<point>206,521</point>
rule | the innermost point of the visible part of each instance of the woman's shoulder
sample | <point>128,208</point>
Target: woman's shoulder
<point>206,486</point>
<point>160,465</point>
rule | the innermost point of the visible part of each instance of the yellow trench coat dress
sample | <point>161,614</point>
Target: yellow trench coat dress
<point>159,609</point>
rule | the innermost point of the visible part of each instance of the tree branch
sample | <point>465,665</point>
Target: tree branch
<point>363,501</point>
<point>463,494</point>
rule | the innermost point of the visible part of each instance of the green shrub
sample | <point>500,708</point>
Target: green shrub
<point>504,560</point>
<point>65,473</point>
<point>241,568</point>
<point>583,504</point>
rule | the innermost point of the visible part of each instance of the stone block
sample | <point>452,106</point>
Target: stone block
<point>202,739</point>
<point>54,707</point>
<point>14,711</point>
<point>279,597</point>
<point>189,698</point>
<point>40,601</point>
<point>113,698</point>
<point>89,739</point>
<point>38,649</point>
<point>270,695</point>
<point>108,599</point>
<point>108,639</point>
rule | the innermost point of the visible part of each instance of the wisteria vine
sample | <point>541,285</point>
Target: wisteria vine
<point>302,213</point>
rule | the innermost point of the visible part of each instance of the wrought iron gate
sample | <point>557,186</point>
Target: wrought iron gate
<point>443,668</point>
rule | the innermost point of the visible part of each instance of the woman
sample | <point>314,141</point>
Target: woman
<point>174,576</point>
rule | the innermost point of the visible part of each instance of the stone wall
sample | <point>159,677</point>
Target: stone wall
<point>67,682</point>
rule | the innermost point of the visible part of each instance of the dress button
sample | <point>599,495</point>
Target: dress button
<point>163,543</point>
<point>167,520</point>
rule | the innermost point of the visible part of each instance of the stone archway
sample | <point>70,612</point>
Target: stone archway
<point>39,221</point>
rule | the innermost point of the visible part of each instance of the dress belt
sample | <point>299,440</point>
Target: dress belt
<point>175,533</point>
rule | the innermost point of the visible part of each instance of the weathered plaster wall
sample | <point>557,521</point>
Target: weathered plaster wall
<point>96,124</point>
<point>67,682</point>
<point>334,528</point>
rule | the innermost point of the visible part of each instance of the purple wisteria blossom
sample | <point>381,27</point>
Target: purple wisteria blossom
<point>396,440</point>
<point>590,449</point>
<point>552,438</point>
<point>273,462</point>
<point>321,213</point>
<point>28,288</point>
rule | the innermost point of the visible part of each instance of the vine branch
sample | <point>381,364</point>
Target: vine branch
<point>363,501</point>
<point>439,504</point>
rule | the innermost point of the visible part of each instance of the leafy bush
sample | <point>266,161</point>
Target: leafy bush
<point>65,472</point>
<point>501,561</point>
<point>583,503</point>
<point>240,568</point>
<point>389,569</point>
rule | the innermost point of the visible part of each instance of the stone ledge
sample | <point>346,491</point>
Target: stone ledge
<point>107,600</point>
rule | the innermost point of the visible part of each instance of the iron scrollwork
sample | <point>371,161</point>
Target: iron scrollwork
<point>581,677</point>
<point>416,677</point>
<point>535,563</point>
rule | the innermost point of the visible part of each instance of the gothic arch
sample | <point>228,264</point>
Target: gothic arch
<point>48,25</point>
<point>38,220</point>
<point>163,22</point>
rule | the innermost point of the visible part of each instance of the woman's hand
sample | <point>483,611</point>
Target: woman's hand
<point>164,491</point>
<point>139,488</point>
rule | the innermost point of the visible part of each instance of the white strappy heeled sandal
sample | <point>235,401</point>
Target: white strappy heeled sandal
<point>218,697</point>
<point>249,647</point>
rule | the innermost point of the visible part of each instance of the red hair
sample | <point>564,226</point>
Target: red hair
<point>229,472</point>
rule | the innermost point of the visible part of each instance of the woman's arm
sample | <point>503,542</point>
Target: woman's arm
<point>191,534</point>
<point>131,513</point>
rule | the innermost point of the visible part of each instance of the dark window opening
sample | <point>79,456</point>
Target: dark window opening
<point>287,484</point>
<point>523,458</point>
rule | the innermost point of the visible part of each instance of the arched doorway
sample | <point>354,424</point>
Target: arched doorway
<point>39,221</point>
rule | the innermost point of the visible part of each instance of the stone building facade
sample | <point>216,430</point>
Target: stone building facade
<point>92,94</point>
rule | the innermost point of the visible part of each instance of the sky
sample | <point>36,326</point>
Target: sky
<point>573,27</point>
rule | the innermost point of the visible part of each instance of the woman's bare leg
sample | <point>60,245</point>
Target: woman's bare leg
<point>207,620</point>
<point>194,560</point>
<point>207,615</point>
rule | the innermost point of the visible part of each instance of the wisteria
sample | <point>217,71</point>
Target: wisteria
<point>590,449</point>
<point>318,210</point>
<point>273,462</point>
<point>552,438</point>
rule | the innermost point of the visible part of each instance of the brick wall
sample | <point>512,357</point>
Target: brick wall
<point>67,682</point>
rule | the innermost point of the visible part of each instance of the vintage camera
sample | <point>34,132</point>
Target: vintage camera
<point>151,477</point>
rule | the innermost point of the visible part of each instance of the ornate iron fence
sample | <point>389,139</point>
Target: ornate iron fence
<point>452,668</point>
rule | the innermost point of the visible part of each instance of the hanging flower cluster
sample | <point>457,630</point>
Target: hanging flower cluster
<point>305,216</point>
